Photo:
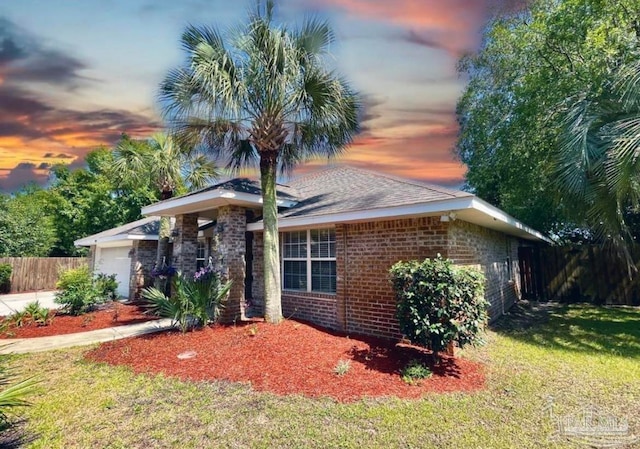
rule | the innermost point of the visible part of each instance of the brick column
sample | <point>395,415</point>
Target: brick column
<point>143,259</point>
<point>185,244</point>
<point>232,225</point>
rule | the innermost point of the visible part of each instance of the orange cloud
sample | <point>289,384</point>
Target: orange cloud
<point>453,25</point>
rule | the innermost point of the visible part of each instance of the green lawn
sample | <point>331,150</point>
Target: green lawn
<point>577,355</point>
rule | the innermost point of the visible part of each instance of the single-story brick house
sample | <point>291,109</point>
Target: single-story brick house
<point>341,229</point>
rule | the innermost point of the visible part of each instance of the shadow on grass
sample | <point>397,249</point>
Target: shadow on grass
<point>14,435</point>
<point>577,327</point>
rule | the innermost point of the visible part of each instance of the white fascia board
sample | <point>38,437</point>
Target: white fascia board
<point>371,214</point>
<point>88,241</point>
<point>499,215</point>
<point>413,210</point>
<point>226,197</point>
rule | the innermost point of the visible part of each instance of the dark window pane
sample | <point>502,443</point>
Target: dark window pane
<point>323,276</point>
<point>295,275</point>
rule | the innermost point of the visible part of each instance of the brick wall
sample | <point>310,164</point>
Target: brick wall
<point>185,244</point>
<point>470,244</point>
<point>143,259</point>
<point>364,302</point>
<point>367,251</point>
<point>232,246</point>
<point>317,308</point>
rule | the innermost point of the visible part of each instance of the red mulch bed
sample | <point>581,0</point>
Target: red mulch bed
<point>109,315</point>
<point>290,358</point>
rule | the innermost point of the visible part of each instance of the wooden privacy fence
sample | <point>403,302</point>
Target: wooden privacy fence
<point>38,273</point>
<point>580,273</point>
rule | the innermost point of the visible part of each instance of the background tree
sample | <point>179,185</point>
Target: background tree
<point>533,68</point>
<point>86,201</point>
<point>164,165</point>
<point>262,96</point>
<point>26,226</point>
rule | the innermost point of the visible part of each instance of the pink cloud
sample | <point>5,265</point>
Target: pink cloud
<point>452,25</point>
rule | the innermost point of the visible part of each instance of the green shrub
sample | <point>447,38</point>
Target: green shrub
<point>107,286</point>
<point>5,277</point>
<point>78,293</point>
<point>195,301</point>
<point>414,372</point>
<point>438,303</point>
<point>81,292</point>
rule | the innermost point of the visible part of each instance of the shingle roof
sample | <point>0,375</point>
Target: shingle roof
<point>145,226</point>
<point>246,185</point>
<point>348,189</point>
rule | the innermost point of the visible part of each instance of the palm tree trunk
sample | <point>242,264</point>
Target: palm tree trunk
<point>164,233</point>
<point>272,300</point>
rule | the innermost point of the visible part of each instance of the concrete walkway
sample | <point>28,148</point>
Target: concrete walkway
<point>26,345</point>
<point>14,302</point>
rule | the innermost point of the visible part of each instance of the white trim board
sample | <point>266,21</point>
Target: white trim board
<point>470,208</point>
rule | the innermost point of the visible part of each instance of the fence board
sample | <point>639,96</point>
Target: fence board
<point>38,273</point>
<point>582,273</point>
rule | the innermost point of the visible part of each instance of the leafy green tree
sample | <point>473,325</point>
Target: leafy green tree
<point>87,201</point>
<point>262,96</point>
<point>165,165</point>
<point>26,227</point>
<point>533,68</point>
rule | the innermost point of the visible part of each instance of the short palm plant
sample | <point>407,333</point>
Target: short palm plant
<point>12,395</point>
<point>195,301</point>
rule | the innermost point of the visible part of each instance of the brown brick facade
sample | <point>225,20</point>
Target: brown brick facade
<point>368,251</point>
<point>232,225</point>
<point>185,243</point>
<point>493,251</point>
<point>143,259</point>
<point>364,302</point>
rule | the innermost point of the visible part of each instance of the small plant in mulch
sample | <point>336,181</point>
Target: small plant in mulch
<point>33,314</point>
<point>414,372</point>
<point>87,319</point>
<point>252,331</point>
<point>342,367</point>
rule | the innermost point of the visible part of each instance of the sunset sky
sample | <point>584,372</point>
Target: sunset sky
<point>76,74</point>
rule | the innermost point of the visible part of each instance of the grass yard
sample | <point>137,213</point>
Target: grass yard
<point>577,355</point>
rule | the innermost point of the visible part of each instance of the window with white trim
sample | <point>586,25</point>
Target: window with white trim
<point>309,260</point>
<point>201,254</point>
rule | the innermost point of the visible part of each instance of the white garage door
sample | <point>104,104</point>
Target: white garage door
<point>115,261</point>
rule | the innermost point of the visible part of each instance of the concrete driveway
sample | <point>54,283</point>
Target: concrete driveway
<point>17,301</point>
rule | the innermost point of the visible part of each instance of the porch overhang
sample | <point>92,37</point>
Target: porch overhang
<point>205,202</point>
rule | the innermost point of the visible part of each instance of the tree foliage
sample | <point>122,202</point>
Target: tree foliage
<point>261,95</point>
<point>27,228</point>
<point>532,70</point>
<point>86,201</point>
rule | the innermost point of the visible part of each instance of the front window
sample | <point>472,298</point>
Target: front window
<point>309,260</point>
<point>201,254</point>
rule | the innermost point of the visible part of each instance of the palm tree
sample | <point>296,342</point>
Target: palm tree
<point>599,158</point>
<point>163,163</point>
<point>262,96</point>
